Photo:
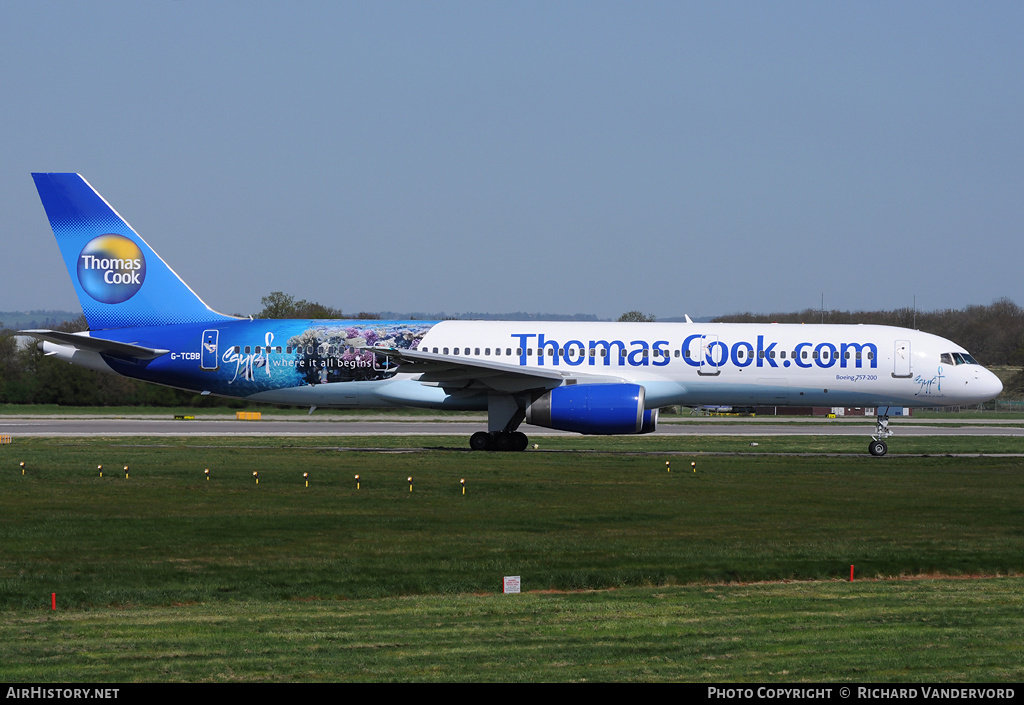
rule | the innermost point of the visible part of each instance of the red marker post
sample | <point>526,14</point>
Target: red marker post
<point>53,601</point>
<point>851,572</point>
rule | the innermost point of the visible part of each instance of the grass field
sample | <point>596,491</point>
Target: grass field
<point>632,572</point>
<point>864,632</point>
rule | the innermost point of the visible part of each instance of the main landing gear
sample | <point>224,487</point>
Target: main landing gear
<point>877,447</point>
<point>504,414</point>
<point>499,440</point>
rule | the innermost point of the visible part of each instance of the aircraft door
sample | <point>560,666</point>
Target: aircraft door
<point>901,359</point>
<point>713,354</point>
<point>382,364</point>
<point>208,356</point>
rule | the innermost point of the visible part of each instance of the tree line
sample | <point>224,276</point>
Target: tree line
<point>993,334</point>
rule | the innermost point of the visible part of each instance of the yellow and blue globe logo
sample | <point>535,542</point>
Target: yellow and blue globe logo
<point>111,268</point>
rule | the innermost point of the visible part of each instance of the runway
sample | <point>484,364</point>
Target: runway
<point>394,425</point>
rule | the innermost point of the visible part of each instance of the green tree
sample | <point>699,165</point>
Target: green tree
<point>637,317</point>
<point>75,325</point>
<point>278,304</point>
<point>8,361</point>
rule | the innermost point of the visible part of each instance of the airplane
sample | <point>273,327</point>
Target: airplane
<point>599,378</point>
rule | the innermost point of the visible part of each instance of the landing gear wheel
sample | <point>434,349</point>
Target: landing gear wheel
<point>502,442</point>
<point>878,448</point>
<point>481,440</point>
<point>519,441</point>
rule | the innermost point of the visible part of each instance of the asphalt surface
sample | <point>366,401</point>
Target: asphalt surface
<point>271,425</point>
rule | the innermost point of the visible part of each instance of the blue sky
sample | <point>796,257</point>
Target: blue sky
<point>566,157</point>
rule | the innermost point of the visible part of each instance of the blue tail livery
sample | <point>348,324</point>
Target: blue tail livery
<point>120,281</point>
<point>584,377</point>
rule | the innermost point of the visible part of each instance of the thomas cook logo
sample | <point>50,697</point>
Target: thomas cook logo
<point>111,268</point>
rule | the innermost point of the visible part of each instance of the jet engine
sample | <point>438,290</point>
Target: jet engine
<point>594,409</point>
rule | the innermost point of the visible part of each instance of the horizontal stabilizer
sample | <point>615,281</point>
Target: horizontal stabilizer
<point>99,345</point>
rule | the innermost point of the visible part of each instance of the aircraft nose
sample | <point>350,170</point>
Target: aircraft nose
<point>988,385</point>
<point>996,384</point>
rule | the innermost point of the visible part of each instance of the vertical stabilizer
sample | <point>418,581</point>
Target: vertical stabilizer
<point>120,281</point>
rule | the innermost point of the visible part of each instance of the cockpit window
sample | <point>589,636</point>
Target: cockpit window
<point>956,358</point>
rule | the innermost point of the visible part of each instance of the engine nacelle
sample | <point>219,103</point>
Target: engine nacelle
<point>594,409</point>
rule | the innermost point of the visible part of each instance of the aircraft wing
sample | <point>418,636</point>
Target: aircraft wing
<point>457,372</point>
<point>99,345</point>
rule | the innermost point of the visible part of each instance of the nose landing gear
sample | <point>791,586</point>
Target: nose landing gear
<point>877,447</point>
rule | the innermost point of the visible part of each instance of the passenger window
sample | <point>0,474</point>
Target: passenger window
<point>247,349</point>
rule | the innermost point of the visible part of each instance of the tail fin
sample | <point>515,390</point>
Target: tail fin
<point>120,281</point>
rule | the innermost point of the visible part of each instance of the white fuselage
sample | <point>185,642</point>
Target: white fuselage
<point>724,363</point>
